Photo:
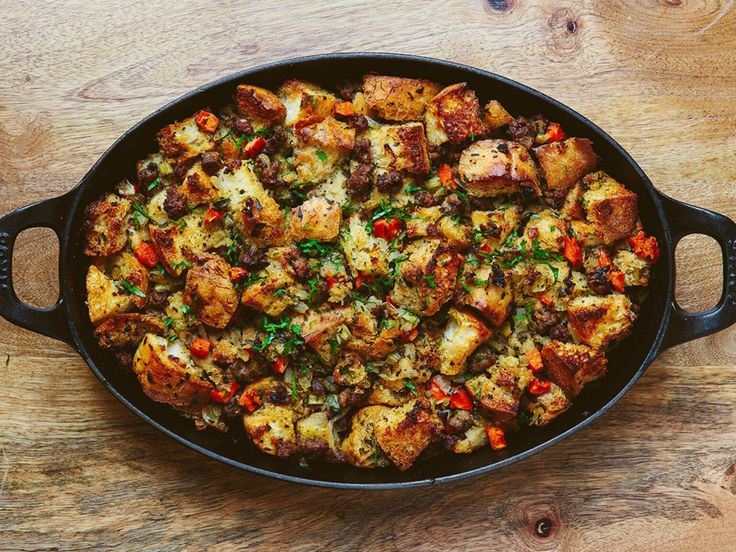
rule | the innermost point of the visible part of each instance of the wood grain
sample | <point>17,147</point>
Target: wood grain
<point>78,471</point>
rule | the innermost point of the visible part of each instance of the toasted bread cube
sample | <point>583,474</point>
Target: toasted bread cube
<point>610,206</point>
<point>165,241</point>
<point>545,408</point>
<point>423,217</point>
<point>462,335</point>
<point>106,221</point>
<point>599,321</point>
<point>496,167</point>
<point>635,269</point>
<point>571,366</point>
<point>261,295</point>
<point>369,339</point>
<point>168,374</point>
<point>572,208</point>
<point>456,233</point>
<point>404,432</point>
<point>397,98</point>
<point>123,330</point>
<point>490,293</point>
<point>184,140</point>
<point>306,103</point>
<point>316,433</point>
<point>495,226</point>
<point>499,391</point>
<point>321,147</point>
<point>547,229</point>
<point>210,292</point>
<point>365,253</point>
<point>104,299</point>
<point>259,105</point>
<point>426,279</point>
<point>400,147</point>
<point>361,446</point>
<point>198,187</point>
<point>474,438</point>
<point>495,115</point>
<point>316,219</point>
<point>454,115</point>
<point>271,428</point>
<point>563,164</point>
<point>585,233</point>
<point>320,330</point>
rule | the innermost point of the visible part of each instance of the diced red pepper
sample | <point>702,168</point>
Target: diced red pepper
<point>331,281</point>
<point>539,387</point>
<point>485,248</point>
<point>380,228</point>
<point>280,365</point>
<point>446,177</point>
<point>617,280</point>
<point>206,121</point>
<point>146,254</point>
<point>387,229</point>
<point>254,147</point>
<point>645,247</point>
<point>461,400</point>
<point>249,399</point>
<point>360,279</point>
<point>436,392</point>
<point>200,347</point>
<point>546,300</point>
<point>212,215</point>
<point>572,251</point>
<point>496,437</point>
<point>411,335</point>
<point>237,273</point>
<point>345,109</point>
<point>555,133</point>
<point>603,258</point>
<point>394,228</point>
<point>534,359</point>
<point>390,301</point>
<point>218,396</point>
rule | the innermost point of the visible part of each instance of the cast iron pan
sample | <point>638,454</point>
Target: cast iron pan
<point>661,324</point>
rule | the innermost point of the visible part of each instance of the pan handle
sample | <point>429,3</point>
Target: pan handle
<point>687,219</point>
<point>44,214</point>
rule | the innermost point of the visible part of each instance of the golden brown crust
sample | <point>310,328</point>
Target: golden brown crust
<point>404,432</point>
<point>496,167</point>
<point>454,115</point>
<point>106,221</point>
<point>495,115</point>
<point>165,242</point>
<point>198,187</point>
<point>611,207</point>
<point>462,335</point>
<point>492,300</point>
<point>122,330</point>
<point>210,292</point>
<point>397,98</point>
<point>259,104</point>
<point>572,366</point>
<point>599,321</point>
<point>563,164</point>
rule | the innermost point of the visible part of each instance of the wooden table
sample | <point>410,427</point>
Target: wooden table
<point>79,471</point>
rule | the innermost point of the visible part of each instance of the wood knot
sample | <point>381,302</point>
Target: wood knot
<point>564,27</point>
<point>500,6</point>
<point>540,525</point>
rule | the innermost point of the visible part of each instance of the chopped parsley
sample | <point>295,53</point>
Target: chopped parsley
<point>125,285</point>
<point>429,278</point>
<point>284,330</point>
<point>153,184</point>
<point>411,387</point>
<point>293,385</point>
<point>142,212</point>
<point>181,264</point>
<point>322,156</point>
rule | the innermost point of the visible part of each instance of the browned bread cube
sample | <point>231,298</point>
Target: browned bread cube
<point>545,408</point>
<point>316,219</point>
<point>563,164</point>
<point>259,105</point>
<point>495,115</point>
<point>462,335</point>
<point>496,167</point>
<point>490,294</point>
<point>599,321</point>
<point>400,147</point>
<point>210,292</point>
<point>404,432</point>
<point>397,98</point>
<point>106,222</point>
<point>611,207</point>
<point>454,115</point>
<point>122,330</point>
<point>571,366</point>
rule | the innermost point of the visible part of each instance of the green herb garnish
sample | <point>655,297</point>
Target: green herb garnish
<point>322,156</point>
<point>125,285</point>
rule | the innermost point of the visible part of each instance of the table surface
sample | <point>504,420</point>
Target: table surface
<point>79,471</point>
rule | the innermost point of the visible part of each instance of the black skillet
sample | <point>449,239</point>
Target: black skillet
<point>661,324</point>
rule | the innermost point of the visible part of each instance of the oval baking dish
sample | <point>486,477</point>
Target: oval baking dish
<point>661,322</point>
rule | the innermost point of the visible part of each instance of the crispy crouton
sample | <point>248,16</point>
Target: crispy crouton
<point>488,297</point>
<point>316,219</point>
<point>122,330</point>
<point>599,321</point>
<point>305,103</point>
<point>369,339</point>
<point>495,227</point>
<point>495,116</point>
<point>571,366</point>
<point>259,105</point>
<point>261,295</point>
<point>454,115</point>
<point>321,147</point>
<point>397,98</point>
<point>563,164</point>
<point>404,432</point>
<point>198,187</point>
<point>361,446</point>
<point>610,206</point>
<point>271,428</point>
<point>400,147</point>
<point>184,140</point>
<point>635,269</point>
<point>320,331</point>
<point>365,253</point>
<point>473,439</point>
<point>462,335</point>
<point>426,279</point>
<point>113,294</point>
<point>572,208</point>
<point>547,229</point>
<point>545,408</point>
<point>210,292</point>
<point>585,233</point>
<point>316,433</point>
<point>167,374</point>
<point>423,217</point>
<point>499,391</point>
<point>496,167</point>
<point>165,241</point>
<point>106,221</point>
